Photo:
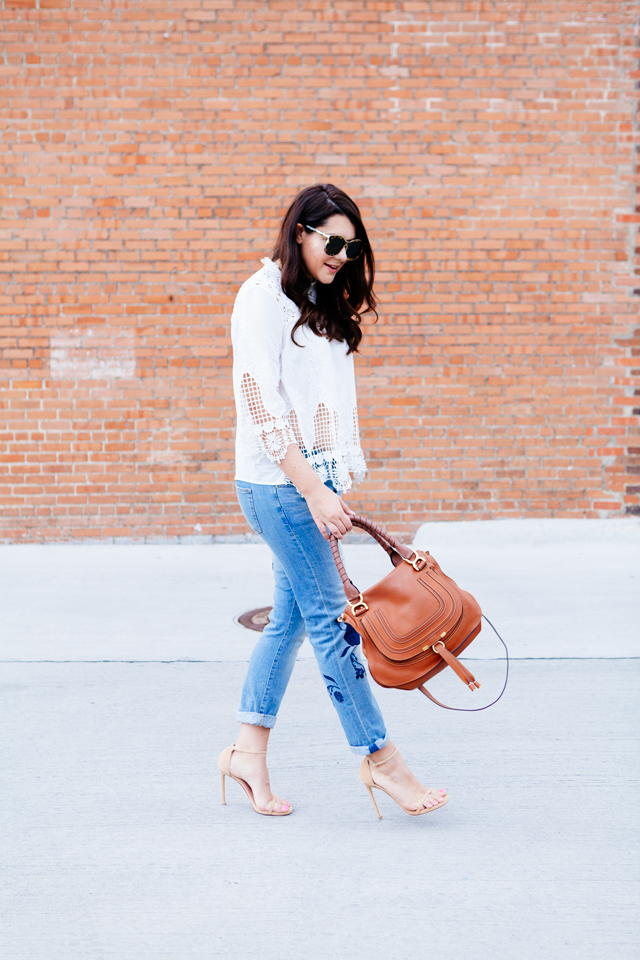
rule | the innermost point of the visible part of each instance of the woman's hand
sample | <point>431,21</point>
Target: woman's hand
<point>326,507</point>
<point>328,510</point>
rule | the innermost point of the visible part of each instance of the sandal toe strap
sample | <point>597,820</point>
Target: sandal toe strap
<point>430,794</point>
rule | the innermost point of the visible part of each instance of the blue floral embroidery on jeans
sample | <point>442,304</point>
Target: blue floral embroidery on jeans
<point>353,639</point>
<point>333,688</point>
<point>357,666</point>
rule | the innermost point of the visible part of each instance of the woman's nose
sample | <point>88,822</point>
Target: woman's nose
<point>343,254</point>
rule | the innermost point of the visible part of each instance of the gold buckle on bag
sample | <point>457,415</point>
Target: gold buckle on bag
<point>416,561</point>
<point>358,607</point>
<point>434,645</point>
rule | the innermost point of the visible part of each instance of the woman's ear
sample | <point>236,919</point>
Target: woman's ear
<point>299,232</point>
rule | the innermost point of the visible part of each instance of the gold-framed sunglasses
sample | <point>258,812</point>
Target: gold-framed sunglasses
<point>335,244</point>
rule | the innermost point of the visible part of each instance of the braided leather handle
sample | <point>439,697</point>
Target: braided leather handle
<point>396,550</point>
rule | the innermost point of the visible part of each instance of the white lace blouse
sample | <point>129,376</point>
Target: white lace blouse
<point>290,394</point>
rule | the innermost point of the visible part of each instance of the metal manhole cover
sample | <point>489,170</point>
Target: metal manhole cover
<point>255,619</point>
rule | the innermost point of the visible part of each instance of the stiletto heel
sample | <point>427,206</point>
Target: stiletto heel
<point>430,795</point>
<point>373,801</point>
<point>224,764</point>
<point>224,799</point>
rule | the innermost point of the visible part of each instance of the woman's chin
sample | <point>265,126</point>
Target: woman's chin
<point>326,276</point>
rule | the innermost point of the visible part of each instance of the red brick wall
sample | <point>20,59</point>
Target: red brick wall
<point>148,150</point>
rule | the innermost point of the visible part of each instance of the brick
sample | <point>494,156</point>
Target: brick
<point>144,176</point>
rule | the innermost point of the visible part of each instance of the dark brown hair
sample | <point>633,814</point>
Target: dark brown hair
<point>337,311</point>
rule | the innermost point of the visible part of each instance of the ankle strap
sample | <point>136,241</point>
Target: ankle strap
<point>237,750</point>
<point>379,763</point>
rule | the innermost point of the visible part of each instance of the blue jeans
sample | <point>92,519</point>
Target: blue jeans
<point>308,596</point>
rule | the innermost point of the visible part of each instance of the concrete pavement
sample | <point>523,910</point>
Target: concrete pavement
<point>121,672</point>
<point>557,587</point>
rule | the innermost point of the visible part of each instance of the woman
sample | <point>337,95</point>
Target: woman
<point>295,328</point>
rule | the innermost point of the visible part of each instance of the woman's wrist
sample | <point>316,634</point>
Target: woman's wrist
<point>298,469</point>
<point>310,486</point>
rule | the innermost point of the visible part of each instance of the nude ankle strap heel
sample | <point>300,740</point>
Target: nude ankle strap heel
<point>368,780</point>
<point>224,765</point>
<point>437,799</point>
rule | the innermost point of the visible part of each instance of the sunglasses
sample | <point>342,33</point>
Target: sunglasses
<point>335,244</point>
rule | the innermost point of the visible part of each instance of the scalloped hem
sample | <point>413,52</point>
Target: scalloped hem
<point>338,469</point>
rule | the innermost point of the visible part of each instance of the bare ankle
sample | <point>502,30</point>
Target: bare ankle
<point>252,739</point>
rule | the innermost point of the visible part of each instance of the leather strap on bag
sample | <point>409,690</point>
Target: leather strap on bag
<point>465,675</point>
<point>424,690</point>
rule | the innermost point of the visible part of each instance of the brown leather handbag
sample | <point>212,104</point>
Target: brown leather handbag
<point>415,621</point>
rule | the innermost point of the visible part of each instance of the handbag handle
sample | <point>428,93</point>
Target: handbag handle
<point>396,550</point>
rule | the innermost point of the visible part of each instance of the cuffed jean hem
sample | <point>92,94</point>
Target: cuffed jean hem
<point>365,751</point>
<point>259,720</point>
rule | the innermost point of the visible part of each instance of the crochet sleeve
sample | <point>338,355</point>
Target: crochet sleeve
<point>257,347</point>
